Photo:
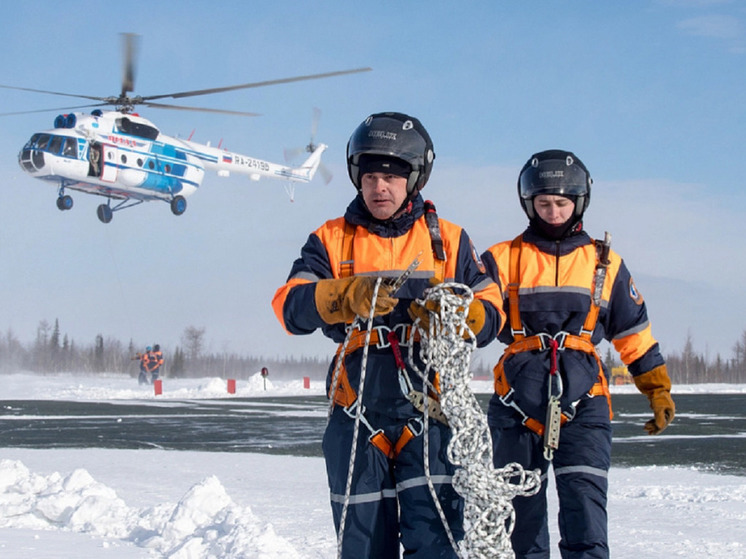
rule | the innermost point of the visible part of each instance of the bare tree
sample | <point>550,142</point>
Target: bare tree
<point>192,339</point>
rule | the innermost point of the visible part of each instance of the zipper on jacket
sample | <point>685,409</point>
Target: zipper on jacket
<point>557,262</point>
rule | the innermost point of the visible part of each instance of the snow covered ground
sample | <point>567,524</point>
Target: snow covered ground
<point>114,504</point>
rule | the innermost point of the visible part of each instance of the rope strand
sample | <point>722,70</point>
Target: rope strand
<point>489,516</point>
<point>358,410</point>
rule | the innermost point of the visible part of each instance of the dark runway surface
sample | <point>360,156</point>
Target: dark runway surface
<point>709,431</point>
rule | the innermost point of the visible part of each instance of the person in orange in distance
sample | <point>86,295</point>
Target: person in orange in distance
<point>386,227</point>
<point>564,293</point>
<point>144,359</point>
<point>156,363</point>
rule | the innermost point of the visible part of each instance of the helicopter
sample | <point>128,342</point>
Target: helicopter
<point>125,158</point>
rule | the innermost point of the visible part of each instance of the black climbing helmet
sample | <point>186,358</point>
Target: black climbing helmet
<point>392,135</point>
<point>555,172</point>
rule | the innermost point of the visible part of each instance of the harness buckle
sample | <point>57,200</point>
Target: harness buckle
<point>351,412</point>
<point>521,332</point>
<point>351,409</point>
<point>560,338</point>
<point>507,399</point>
<point>401,331</point>
<point>416,426</point>
<point>382,335</point>
<point>544,339</point>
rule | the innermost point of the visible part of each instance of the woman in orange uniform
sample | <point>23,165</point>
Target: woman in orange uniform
<point>564,293</point>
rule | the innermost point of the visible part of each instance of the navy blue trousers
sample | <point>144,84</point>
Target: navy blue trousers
<point>580,464</point>
<point>390,505</point>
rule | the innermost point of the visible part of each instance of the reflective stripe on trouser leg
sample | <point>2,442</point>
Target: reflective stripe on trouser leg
<point>381,487</point>
<point>371,526</point>
<point>581,472</point>
<point>423,535</point>
<point>513,442</point>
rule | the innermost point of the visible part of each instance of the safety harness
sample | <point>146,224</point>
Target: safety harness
<point>555,417</point>
<point>382,337</point>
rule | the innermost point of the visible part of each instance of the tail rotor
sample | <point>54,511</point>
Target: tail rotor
<point>292,154</point>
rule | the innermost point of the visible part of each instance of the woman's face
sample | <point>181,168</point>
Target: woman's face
<point>553,209</point>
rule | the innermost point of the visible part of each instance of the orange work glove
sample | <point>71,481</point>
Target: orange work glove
<point>656,386</point>
<point>340,300</point>
<point>475,317</point>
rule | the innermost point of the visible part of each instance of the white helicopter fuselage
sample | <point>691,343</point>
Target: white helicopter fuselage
<point>125,157</point>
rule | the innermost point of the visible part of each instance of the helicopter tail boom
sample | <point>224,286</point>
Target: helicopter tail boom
<point>226,163</point>
<point>308,168</point>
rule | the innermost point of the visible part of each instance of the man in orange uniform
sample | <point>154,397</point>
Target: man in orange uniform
<point>564,293</point>
<point>144,359</point>
<point>385,228</point>
<point>156,363</point>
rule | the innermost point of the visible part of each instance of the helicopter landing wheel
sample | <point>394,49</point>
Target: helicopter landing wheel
<point>64,202</point>
<point>104,213</point>
<point>178,205</point>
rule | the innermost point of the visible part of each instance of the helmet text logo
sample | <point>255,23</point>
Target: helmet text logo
<point>382,135</point>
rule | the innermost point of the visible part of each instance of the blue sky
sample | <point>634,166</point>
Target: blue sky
<point>648,93</point>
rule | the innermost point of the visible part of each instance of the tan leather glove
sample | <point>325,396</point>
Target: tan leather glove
<point>475,316</point>
<point>656,386</point>
<point>340,300</point>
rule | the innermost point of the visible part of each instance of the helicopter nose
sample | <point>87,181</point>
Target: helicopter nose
<point>31,160</point>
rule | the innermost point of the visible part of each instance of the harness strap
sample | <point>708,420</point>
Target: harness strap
<point>384,444</point>
<point>516,326</point>
<point>346,265</point>
<point>433,225</point>
<point>345,395</point>
<point>541,342</point>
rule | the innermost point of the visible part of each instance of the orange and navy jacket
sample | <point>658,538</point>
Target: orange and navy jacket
<point>156,360</point>
<point>147,361</point>
<point>555,293</point>
<point>357,244</point>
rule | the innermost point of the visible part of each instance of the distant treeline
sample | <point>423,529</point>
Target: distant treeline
<point>54,352</point>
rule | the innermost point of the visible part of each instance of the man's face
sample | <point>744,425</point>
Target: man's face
<point>383,193</point>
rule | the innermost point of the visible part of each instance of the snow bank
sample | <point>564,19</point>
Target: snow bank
<point>204,523</point>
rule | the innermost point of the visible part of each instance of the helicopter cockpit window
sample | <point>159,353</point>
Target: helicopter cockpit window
<point>71,148</point>
<point>42,141</point>
<point>55,144</point>
<point>127,126</point>
<point>32,142</point>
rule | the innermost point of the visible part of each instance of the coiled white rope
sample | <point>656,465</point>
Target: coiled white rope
<point>447,347</point>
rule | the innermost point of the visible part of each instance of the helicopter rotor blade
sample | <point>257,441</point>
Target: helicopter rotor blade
<point>315,122</point>
<point>254,84</point>
<point>55,93</point>
<point>291,154</point>
<point>198,109</point>
<point>60,109</point>
<point>325,173</point>
<point>130,44</point>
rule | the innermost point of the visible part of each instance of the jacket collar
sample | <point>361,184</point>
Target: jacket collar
<point>557,247</point>
<point>357,214</point>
